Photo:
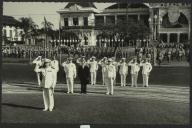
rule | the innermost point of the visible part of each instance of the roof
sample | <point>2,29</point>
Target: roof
<point>126,5</point>
<point>9,20</point>
<point>82,4</point>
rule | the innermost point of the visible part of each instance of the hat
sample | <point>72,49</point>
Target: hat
<point>70,58</point>
<point>47,60</point>
<point>104,57</point>
<point>123,58</point>
<point>93,57</point>
<point>82,56</point>
<point>110,60</point>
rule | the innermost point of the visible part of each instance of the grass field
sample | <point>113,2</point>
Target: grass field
<point>177,76</point>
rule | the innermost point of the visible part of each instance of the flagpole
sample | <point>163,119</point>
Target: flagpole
<point>45,37</point>
<point>60,40</point>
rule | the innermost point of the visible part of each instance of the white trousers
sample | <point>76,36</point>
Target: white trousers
<point>54,79</point>
<point>70,83</point>
<point>103,77</point>
<point>38,78</point>
<point>145,80</point>
<point>134,80</point>
<point>48,98</point>
<point>93,77</point>
<point>109,83</point>
<point>123,79</point>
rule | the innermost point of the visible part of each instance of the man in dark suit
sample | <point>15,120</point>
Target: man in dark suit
<point>83,73</point>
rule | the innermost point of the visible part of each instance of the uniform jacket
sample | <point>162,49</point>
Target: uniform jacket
<point>93,66</point>
<point>110,71</point>
<point>48,74</point>
<point>123,68</point>
<point>55,65</point>
<point>70,70</point>
<point>134,68</point>
<point>147,67</point>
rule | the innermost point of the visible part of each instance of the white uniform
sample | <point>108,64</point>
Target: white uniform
<point>55,66</point>
<point>134,73</point>
<point>110,77</point>
<point>123,71</point>
<point>103,66</point>
<point>147,67</point>
<point>47,84</point>
<point>93,71</point>
<point>70,72</point>
<point>37,64</point>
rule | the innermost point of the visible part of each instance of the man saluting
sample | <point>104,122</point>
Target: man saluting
<point>110,76</point>
<point>147,67</point>
<point>38,62</point>
<point>55,66</point>
<point>93,70</point>
<point>47,84</point>
<point>70,71</point>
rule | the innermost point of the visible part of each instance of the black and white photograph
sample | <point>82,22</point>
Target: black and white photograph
<point>96,63</point>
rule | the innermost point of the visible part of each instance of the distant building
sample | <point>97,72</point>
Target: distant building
<point>11,32</point>
<point>169,22</point>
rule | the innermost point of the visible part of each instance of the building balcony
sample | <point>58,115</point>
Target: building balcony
<point>77,27</point>
<point>174,30</point>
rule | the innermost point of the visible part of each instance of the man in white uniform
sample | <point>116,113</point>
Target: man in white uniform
<point>70,72</point>
<point>110,77</point>
<point>38,62</point>
<point>55,66</point>
<point>47,84</point>
<point>147,67</point>
<point>134,71</point>
<point>103,62</point>
<point>123,71</point>
<point>93,70</point>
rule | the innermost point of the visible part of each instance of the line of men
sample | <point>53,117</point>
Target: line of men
<point>49,69</point>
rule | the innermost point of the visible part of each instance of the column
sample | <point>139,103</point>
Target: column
<point>178,37</point>
<point>138,17</point>
<point>104,19</point>
<point>116,19</point>
<point>151,16</point>
<point>189,33</point>
<point>168,37</point>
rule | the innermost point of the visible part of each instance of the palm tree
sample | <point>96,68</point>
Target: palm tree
<point>29,27</point>
<point>48,24</point>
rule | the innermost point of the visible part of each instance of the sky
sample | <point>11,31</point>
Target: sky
<point>37,10</point>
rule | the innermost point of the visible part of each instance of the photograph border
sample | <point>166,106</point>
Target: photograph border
<point>17,125</point>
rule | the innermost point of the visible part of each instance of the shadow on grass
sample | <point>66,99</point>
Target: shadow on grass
<point>20,106</point>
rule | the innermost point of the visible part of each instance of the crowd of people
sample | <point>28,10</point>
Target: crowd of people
<point>172,51</point>
<point>86,69</point>
<point>168,52</point>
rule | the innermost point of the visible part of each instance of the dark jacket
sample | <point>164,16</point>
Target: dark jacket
<point>83,74</point>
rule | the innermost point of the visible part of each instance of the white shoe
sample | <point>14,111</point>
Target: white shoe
<point>107,93</point>
<point>45,109</point>
<point>67,92</point>
<point>50,110</point>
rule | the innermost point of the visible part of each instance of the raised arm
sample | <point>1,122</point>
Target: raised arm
<point>36,60</point>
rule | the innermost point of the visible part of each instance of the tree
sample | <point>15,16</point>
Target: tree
<point>49,25</point>
<point>47,28</point>
<point>29,27</point>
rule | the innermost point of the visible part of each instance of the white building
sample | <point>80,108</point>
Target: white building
<point>12,32</point>
<point>169,22</point>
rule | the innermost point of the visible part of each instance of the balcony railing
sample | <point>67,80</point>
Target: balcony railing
<point>173,30</point>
